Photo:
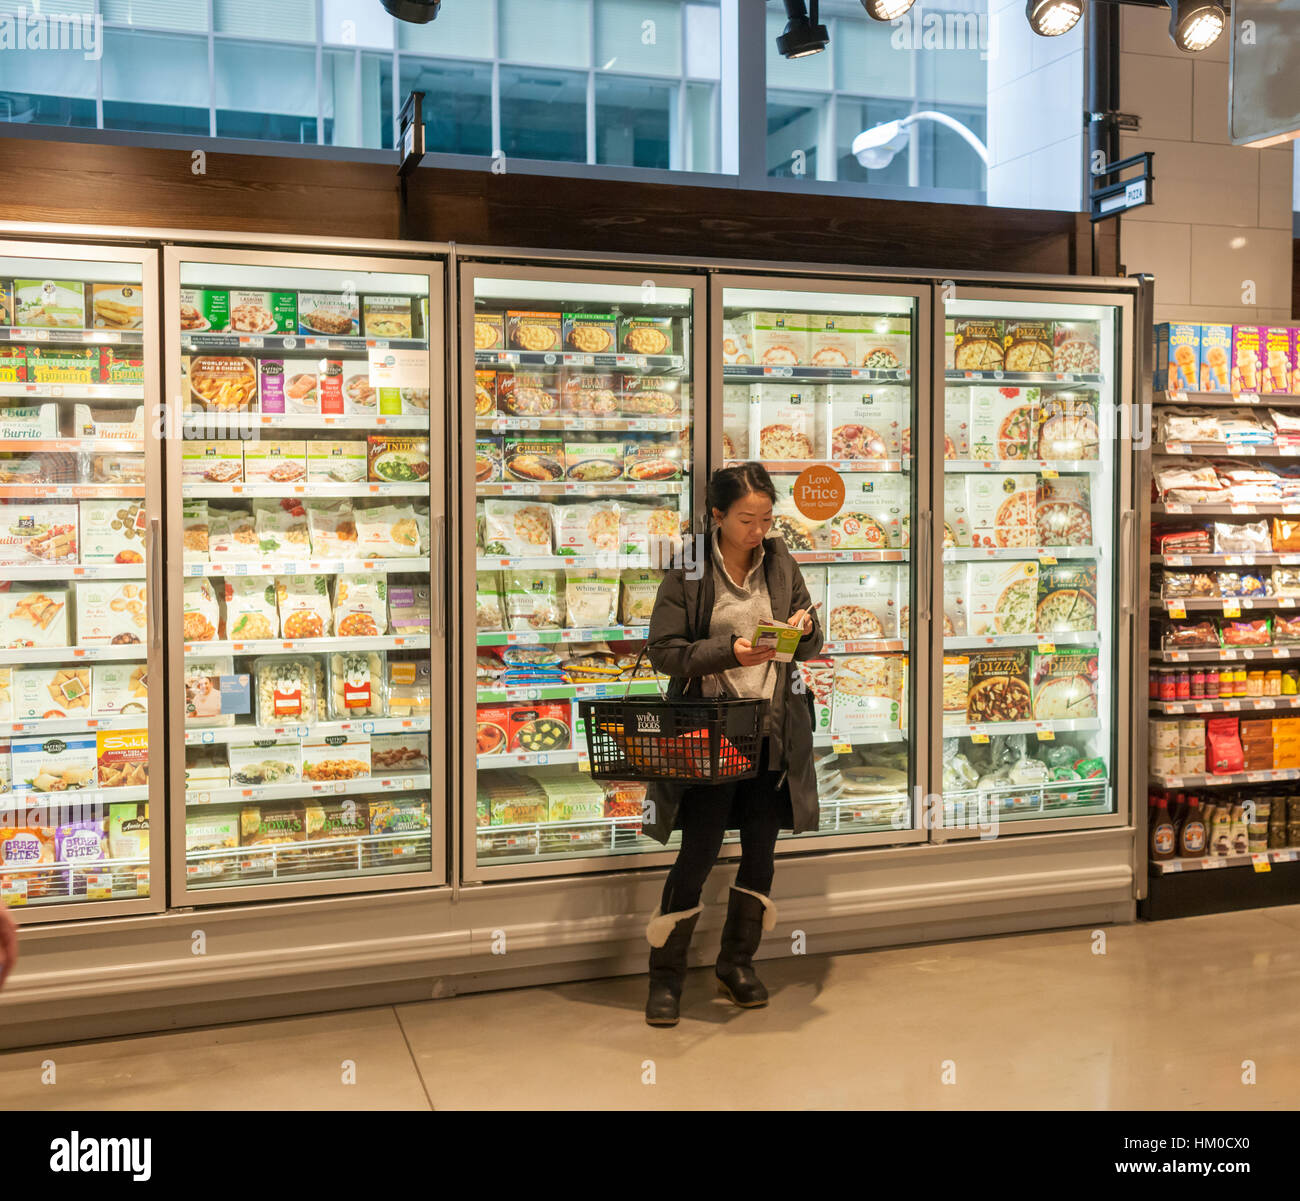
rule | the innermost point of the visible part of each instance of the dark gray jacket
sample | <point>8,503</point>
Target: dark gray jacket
<point>680,647</point>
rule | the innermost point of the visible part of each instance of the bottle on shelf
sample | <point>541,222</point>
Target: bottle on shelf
<point>1160,827</point>
<point>1191,830</point>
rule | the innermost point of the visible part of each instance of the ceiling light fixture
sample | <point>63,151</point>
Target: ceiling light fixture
<point>803,35</point>
<point>1051,18</point>
<point>1195,24</point>
<point>417,12</point>
<point>886,10</point>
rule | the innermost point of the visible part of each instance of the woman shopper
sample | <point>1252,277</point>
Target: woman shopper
<point>700,634</point>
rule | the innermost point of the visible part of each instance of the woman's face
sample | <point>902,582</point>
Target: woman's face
<point>747,522</point>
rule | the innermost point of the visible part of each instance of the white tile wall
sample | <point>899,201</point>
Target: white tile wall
<point>1276,187</point>
<point>1224,257</point>
<point>1159,91</point>
<point>1164,249</point>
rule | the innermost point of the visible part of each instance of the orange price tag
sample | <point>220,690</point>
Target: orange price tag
<point>819,492</point>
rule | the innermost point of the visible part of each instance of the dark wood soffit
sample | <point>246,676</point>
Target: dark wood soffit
<point>156,188</point>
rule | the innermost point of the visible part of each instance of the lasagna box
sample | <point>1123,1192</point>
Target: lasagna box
<point>271,461</point>
<point>215,461</point>
<point>331,314</point>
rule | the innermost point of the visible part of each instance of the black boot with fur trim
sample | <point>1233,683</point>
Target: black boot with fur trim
<point>748,915</point>
<point>669,936</point>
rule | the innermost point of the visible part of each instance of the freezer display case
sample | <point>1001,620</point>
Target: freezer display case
<point>819,382</point>
<point>80,566</point>
<point>1036,537</point>
<point>580,474</point>
<point>306,486</point>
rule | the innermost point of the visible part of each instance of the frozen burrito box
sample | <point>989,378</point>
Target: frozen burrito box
<point>207,834</point>
<point>32,617</point>
<point>1001,597</point>
<point>40,692</point>
<point>331,757</point>
<point>1065,684</point>
<point>65,764</point>
<point>123,758</point>
<point>32,532</point>
<point>112,612</point>
<point>652,459</point>
<point>28,421</point>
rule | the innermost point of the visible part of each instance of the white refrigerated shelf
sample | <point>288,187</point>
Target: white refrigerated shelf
<point>535,759</point>
<point>295,342</point>
<point>71,725</point>
<point>1217,654</point>
<point>74,391</point>
<point>1262,450</point>
<point>221,422</point>
<point>306,567</point>
<point>849,556</point>
<point>1165,867</point>
<point>308,789</point>
<point>315,859</point>
<point>69,491</point>
<point>655,364</point>
<point>811,374</point>
<point>226,491</point>
<point>1040,466</point>
<point>36,333</point>
<point>610,690</point>
<point>572,488</point>
<point>78,796</point>
<point>1021,377</point>
<point>502,424</point>
<point>1274,775</point>
<point>1043,642</point>
<point>71,571</point>
<point>321,729</point>
<point>843,466</point>
<point>1226,399</point>
<point>82,446</point>
<point>1047,554</point>
<point>50,884</point>
<point>543,562</point>
<point>1236,704</point>
<point>72,654</point>
<point>863,646</point>
<point>1227,560</point>
<point>276,646</point>
<point>1065,725</point>
<point>860,738</point>
<point>576,634</point>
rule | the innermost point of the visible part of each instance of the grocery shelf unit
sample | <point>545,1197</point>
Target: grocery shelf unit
<point>305,441</point>
<point>1218,883</point>
<point>81,624</point>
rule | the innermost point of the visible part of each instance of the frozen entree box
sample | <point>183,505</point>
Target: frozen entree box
<point>31,616</point>
<point>863,421</point>
<point>56,764</point>
<point>29,421</point>
<point>786,420</point>
<point>329,314</point>
<point>112,612</point>
<point>32,532</point>
<point>263,312</point>
<point>833,339</point>
<point>119,689</point>
<point>113,530</point>
<point>50,303</point>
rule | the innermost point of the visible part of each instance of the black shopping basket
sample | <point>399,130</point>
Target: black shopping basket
<point>706,741</point>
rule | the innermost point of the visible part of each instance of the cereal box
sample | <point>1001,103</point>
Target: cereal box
<point>1028,346</point>
<point>778,339</point>
<point>387,316</point>
<point>1000,509</point>
<point>1076,348</point>
<point>119,689</point>
<point>1004,423</point>
<point>1248,360</point>
<point>204,310</point>
<point>1065,684</point>
<point>271,461</point>
<point>111,612</point>
<point>331,314</point>
<point>867,694</point>
<point>337,462</point>
<point>1001,597</point>
<point>50,303</point>
<point>999,686</point>
<point>590,333</point>
<point>884,343</point>
<point>863,601</point>
<point>1279,358</point>
<point>785,420</point>
<point>489,331</point>
<point>534,331</point>
<point>1067,597</point>
<point>978,344</point>
<point>874,513</point>
<point>32,616</point>
<point>833,340</point>
<point>1063,511</point>
<point>32,532</point>
<point>113,530</point>
<point>1215,358</point>
<point>123,757</point>
<point>647,335</point>
<point>863,422</point>
<point>64,764</point>
<point>218,461</point>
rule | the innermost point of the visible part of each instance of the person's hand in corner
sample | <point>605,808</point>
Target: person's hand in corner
<point>8,942</point>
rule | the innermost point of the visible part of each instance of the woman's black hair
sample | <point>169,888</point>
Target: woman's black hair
<point>730,484</point>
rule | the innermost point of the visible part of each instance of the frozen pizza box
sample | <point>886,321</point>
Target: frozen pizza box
<point>884,343</point>
<point>647,335</point>
<point>253,312</point>
<point>874,513</point>
<point>863,422</point>
<point>954,600</point>
<point>50,303</point>
<point>32,616</point>
<point>737,342</point>
<point>785,420</point>
<point>386,316</point>
<point>119,689</point>
<point>1067,426</point>
<point>1000,508</point>
<point>867,694</point>
<point>29,421</point>
<point>1004,423</point>
<point>949,344</point>
<point>735,422</point>
<point>1076,347</point>
<point>833,339</point>
<point>863,601</point>
<point>956,684</point>
<point>337,461</point>
<point>818,677</point>
<point>32,532</point>
<point>777,339</point>
<point>590,333</point>
<point>58,764</point>
<point>977,343</point>
<point>111,612</point>
<point>1067,597</point>
<point>1063,511</point>
<point>113,530</point>
<point>1001,597</point>
<point>800,533</point>
<point>1028,346</point>
<point>956,518</point>
<point>273,461</point>
<point>328,314</point>
<point>534,330</point>
<point>212,461</point>
<point>1065,684</point>
<point>204,310</point>
<point>999,686</point>
<point>123,758</point>
<point>489,331</point>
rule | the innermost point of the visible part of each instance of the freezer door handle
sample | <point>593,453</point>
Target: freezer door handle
<point>156,579</point>
<point>1127,563</point>
<point>440,586</point>
<point>926,574</point>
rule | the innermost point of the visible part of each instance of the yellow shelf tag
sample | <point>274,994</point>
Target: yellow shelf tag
<point>979,738</point>
<point>1047,648</point>
<point>842,748</point>
<point>1177,611</point>
<point>1261,863</point>
<point>1046,735</point>
<point>1231,609</point>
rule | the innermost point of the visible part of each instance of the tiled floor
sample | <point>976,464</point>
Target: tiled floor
<point>1027,1021</point>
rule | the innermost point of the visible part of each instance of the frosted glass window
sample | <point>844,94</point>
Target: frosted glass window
<point>48,73</point>
<point>286,20</point>
<point>956,76</point>
<point>158,14</point>
<point>557,32</point>
<point>457,104</point>
<point>462,30</point>
<point>265,79</point>
<point>640,36</point>
<point>356,23</point>
<point>156,69</point>
<point>48,7</point>
<point>703,47</point>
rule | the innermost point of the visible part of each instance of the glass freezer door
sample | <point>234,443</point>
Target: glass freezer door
<point>80,622</point>
<point>306,483</point>
<point>1034,679</point>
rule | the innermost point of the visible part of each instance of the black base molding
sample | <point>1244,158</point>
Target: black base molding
<point>1219,890</point>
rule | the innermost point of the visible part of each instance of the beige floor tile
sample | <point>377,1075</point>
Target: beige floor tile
<point>287,1063</point>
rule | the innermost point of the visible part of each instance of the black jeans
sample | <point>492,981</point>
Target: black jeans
<point>703,821</point>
